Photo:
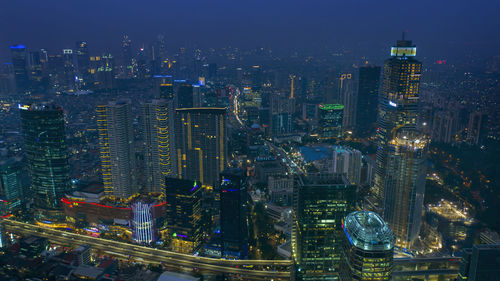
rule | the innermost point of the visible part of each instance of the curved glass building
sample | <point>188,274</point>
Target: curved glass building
<point>46,153</point>
<point>367,249</point>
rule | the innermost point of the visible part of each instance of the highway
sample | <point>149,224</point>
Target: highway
<point>278,269</point>
<point>252,269</point>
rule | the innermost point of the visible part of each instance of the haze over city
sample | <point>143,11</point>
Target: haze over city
<point>249,140</point>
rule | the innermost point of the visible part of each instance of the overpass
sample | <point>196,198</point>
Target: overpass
<point>254,269</point>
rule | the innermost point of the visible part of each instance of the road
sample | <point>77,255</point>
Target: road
<point>255,269</point>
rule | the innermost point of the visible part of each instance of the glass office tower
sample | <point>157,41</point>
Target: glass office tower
<point>320,204</point>
<point>368,248</point>
<point>46,153</point>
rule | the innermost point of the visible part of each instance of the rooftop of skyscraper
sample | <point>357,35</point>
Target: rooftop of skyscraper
<point>368,231</point>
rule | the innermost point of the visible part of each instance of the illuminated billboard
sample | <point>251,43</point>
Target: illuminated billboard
<point>403,51</point>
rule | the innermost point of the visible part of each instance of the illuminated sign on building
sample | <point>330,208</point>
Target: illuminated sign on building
<point>403,51</point>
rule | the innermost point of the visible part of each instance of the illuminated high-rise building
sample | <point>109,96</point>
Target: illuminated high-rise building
<point>368,248</point>
<point>116,141</point>
<point>159,154</point>
<point>105,72</point>
<point>348,97</point>
<point>68,76</point>
<point>35,68</point>
<point>163,87</point>
<point>46,153</point>
<point>143,224</point>
<point>320,204</point>
<point>405,185</point>
<point>367,101</point>
<point>200,138</point>
<point>127,54</point>
<point>20,67</point>
<point>233,214</point>
<point>11,187</point>
<point>183,204</point>
<point>400,164</point>
<point>330,120</point>
<point>398,102</point>
<point>282,108</point>
<point>83,61</point>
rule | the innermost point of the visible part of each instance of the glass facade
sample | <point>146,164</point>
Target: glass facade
<point>400,164</point>
<point>367,249</point>
<point>183,203</point>
<point>200,137</point>
<point>46,153</point>
<point>233,214</point>
<point>367,102</point>
<point>330,120</point>
<point>320,204</point>
<point>11,192</point>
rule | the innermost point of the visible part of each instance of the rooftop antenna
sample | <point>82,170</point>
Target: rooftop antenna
<point>404,33</point>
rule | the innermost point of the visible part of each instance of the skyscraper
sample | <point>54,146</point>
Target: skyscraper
<point>163,87</point>
<point>348,97</point>
<point>320,204</point>
<point>185,95</point>
<point>481,263</point>
<point>11,192</point>
<point>83,61</point>
<point>159,154</point>
<point>233,214</point>
<point>116,140</point>
<point>68,75</point>
<point>330,120</point>
<point>282,108</point>
<point>200,138</point>
<point>367,101</point>
<point>46,153</point>
<point>404,185</point>
<point>368,248</point>
<point>105,72</point>
<point>400,169</point>
<point>127,54</point>
<point>183,199</point>
<point>398,101</point>
<point>20,67</point>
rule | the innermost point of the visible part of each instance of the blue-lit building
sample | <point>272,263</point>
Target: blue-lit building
<point>233,214</point>
<point>143,223</point>
<point>183,207</point>
<point>368,248</point>
<point>11,186</point>
<point>20,67</point>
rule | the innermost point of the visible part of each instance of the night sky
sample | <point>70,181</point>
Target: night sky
<point>440,28</point>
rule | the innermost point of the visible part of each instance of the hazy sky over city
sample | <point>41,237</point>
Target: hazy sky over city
<point>438,27</point>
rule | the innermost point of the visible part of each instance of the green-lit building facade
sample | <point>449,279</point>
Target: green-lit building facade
<point>320,204</point>
<point>330,120</point>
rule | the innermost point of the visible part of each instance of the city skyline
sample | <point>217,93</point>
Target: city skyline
<point>226,141</point>
<point>196,25</point>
